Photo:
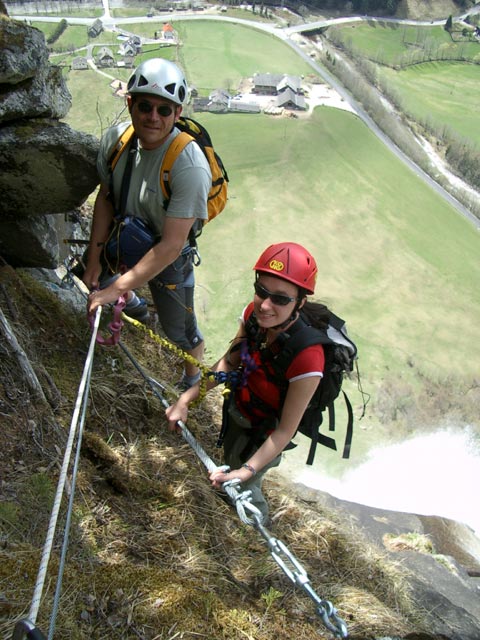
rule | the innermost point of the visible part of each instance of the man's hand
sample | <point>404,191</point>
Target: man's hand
<point>91,277</point>
<point>102,297</point>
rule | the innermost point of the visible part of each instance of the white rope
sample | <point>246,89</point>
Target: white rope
<point>47,548</point>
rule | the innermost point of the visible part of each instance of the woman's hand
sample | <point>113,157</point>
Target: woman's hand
<point>175,413</point>
<point>218,477</point>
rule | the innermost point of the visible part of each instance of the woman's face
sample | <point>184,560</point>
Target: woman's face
<point>274,300</point>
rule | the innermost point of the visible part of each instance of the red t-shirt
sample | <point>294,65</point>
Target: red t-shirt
<point>256,383</point>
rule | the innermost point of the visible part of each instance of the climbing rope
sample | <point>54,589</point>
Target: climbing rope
<point>27,627</point>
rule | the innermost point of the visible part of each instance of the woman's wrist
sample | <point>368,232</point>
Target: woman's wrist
<point>250,468</point>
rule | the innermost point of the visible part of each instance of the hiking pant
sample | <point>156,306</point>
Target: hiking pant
<point>240,443</point>
<point>173,295</point>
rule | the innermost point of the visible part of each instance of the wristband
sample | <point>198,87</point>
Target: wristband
<point>250,468</point>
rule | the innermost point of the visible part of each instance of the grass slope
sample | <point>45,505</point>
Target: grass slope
<point>153,553</point>
<point>395,260</point>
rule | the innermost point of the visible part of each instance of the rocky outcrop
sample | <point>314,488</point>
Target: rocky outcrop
<point>46,167</point>
<point>443,582</point>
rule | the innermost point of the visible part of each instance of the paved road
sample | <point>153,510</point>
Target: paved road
<point>285,35</point>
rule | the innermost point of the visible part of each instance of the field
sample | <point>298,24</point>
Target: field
<point>395,260</point>
<point>390,43</point>
<point>443,93</point>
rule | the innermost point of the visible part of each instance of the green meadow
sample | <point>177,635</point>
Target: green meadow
<point>445,93</point>
<point>395,260</point>
<point>387,42</point>
<point>442,92</point>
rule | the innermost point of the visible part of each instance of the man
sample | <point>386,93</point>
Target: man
<point>156,92</point>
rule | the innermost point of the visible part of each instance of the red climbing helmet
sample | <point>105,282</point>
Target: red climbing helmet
<point>289,261</point>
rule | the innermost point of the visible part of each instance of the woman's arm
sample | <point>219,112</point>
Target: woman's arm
<point>228,362</point>
<point>298,396</point>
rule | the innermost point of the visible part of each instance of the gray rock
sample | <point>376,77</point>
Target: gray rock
<point>45,167</point>
<point>444,587</point>
<point>34,242</point>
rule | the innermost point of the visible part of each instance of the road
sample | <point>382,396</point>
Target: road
<point>285,34</point>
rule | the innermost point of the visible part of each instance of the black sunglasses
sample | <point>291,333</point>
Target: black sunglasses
<point>279,299</point>
<point>163,110</point>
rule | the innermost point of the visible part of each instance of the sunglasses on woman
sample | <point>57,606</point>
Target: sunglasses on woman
<point>278,299</point>
<point>163,110</point>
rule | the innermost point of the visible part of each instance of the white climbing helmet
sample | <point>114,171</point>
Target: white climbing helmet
<point>159,77</point>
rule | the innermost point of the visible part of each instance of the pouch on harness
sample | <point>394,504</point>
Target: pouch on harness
<point>190,130</point>
<point>340,354</point>
<point>130,237</point>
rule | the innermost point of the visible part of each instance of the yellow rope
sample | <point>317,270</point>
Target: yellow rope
<point>204,370</point>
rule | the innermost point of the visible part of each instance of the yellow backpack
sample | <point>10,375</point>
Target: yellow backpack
<point>190,130</point>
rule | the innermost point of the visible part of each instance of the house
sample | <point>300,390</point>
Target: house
<point>290,82</point>
<point>136,42</point>
<point>126,49</point>
<point>238,106</point>
<point>266,83</point>
<point>168,32</point>
<point>95,29</point>
<point>218,101</point>
<point>105,58</point>
<point>288,99</point>
<point>79,63</point>
<point>270,84</point>
<point>128,62</point>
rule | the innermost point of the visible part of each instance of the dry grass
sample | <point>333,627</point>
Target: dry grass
<point>154,554</point>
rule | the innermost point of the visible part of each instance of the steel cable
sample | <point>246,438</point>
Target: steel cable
<point>80,406</point>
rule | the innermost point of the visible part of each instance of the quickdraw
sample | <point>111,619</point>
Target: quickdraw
<point>114,327</point>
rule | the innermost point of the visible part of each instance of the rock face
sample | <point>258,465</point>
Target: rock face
<point>444,584</point>
<point>46,168</point>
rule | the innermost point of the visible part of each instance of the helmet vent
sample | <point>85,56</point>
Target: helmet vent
<point>171,88</point>
<point>131,82</point>
<point>142,81</point>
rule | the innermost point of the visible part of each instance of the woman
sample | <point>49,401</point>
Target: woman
<point>264,413</point>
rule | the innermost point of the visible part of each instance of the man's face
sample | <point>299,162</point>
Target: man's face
<point>153,118</point>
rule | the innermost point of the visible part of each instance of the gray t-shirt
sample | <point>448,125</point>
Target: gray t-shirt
<point>190,180</point>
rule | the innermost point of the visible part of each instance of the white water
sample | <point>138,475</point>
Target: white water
<point>436,474</point>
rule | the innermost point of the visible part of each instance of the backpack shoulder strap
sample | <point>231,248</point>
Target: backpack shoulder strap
<point>299,337</point>
<point>175,148</point>
<point>119,147</point>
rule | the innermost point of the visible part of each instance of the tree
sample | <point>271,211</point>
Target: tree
<point>449,24</point>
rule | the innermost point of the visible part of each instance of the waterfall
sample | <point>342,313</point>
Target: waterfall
<point>435,474</point>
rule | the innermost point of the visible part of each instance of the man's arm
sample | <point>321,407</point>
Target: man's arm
<point>102,218</point>
<point>174,238</point>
